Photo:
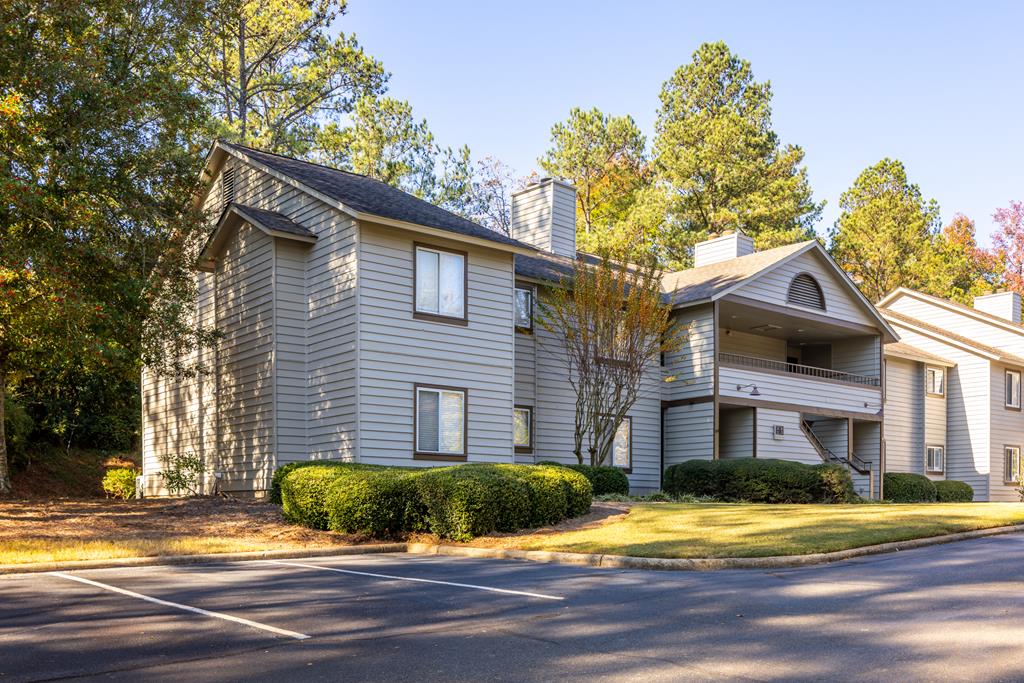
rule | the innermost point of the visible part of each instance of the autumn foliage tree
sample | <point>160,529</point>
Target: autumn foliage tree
<point>956,267</point>
<point>612,326</point>
<point>1008,241</point>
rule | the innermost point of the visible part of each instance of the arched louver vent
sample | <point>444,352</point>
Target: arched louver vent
<point>227,187</point>
<point>805,291</point>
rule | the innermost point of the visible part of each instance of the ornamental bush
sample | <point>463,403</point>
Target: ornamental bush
<point>904,487</point>
<point>378,502</point>
<point>282,471</point>
<point>952,491</point>
<point>306,490</point>
<point>119,482</point>
<point>759,480</point>
<point>471,500</point>
<point>604,480</point>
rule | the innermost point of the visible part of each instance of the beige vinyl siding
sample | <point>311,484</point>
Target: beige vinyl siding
<point>867,444</point>
<point>689,371</point>
<point>397,351</point>
<point>757,346</point>
<point>773,287</point>
<point>857,355</point>
<point>969,401</point>
<point>832,434</point>
<point>803,393</point>
<point>689,432</point>
<point>290,333</point>
<point>563,235</point>
<point>736,433</point>
<point>904,416</point>
<point>934,428</point>
<point>244,316</point>
<point>1007,430</point>
<point>531,217</point>
<point>792,446</point>
<point>962,324</point>
<point>526,368</point>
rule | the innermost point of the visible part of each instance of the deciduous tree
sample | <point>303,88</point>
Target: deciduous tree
<point>716,149</point>
<point>883,235</point>
<point>956,267</point>
<point>612,327</point>
<point>1009,244</point>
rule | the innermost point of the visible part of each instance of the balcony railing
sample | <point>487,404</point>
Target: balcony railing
<point>737,360</point>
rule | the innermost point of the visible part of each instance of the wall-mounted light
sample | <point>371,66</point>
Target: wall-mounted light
<point>752,387</point>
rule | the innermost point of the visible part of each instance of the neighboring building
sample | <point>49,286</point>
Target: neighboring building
<point>360,323</point>
<point>953,390</point>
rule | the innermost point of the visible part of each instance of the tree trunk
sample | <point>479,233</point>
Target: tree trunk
<point>5,476</point>
<point>243,85</point>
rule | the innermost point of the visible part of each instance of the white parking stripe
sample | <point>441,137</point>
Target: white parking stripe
<point>187,608</point>
<point>411,578</point>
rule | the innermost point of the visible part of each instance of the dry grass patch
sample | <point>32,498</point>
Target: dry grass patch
<point>33,531</point>
<point>745,530</point>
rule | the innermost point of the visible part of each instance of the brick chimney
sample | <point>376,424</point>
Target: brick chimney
<point>1005,305</point>
<point>717,248</point>
<point>544,216</point>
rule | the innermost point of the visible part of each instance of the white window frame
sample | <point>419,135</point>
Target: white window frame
<point>1011,464</point>
<point>1012,397</point>
<point>515,308</point>
<point>523,447</point>
<point>435,313</point>
<point>928,456</point>
<point>440,390</point>
<point>931,372</point>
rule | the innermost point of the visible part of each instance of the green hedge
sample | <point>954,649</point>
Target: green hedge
<point>376,502</point>
<point>281,472</point>
<point>120,482</point>
<point>603,480</point>
<point>760,480</point>
<point>457,502</point>
<point>904,487</point>
<point>952,491</point>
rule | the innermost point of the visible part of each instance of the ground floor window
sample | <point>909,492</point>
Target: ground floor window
<point>522,428</point>
<point>1011,464</point>
<point>622,445</point>
<point>440,421</point>
<point>935,459</point>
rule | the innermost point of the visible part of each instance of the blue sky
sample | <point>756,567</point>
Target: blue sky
<point>937,85</point>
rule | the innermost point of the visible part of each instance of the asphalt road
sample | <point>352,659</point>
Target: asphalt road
<point>952,612</point>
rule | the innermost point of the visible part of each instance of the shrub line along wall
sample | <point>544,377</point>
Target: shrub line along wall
<point>457,502</point>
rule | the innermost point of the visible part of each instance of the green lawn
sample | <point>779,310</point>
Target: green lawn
<point>742,530</point>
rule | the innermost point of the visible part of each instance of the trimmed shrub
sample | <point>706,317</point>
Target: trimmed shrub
<point>579,492</point>
<point>904,487</point>
<point>120,482</point>
<point>603,480</point>
<point>305,491</point>
<point>471,500</point>
<point>282,471</point>
<point>548,502</point>
<point>760,480</point>
<point>377,502</point>
<point>952,491</point>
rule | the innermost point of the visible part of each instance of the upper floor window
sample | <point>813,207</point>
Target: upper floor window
<point>804,290</point>
<point>935,381</point>
<point>524,308</point>
<point>1012,389</point>
<point>440,284</point>
<point>935,459</point>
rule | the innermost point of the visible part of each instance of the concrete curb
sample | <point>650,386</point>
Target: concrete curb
<point>159,560</point>
<point>703,564</point>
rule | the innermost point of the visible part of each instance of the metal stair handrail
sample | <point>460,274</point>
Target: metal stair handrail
<point>854,462</point>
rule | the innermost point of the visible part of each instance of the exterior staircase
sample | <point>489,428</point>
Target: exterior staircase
<point>863,484</point>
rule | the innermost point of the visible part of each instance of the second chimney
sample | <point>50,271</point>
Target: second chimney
<point>731,245</point>
<point>544,216</point>
<point>1005,305</point>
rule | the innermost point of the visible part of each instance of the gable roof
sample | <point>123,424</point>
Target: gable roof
<point>954,306</point>
<point>970,345</point>
<point>269,222</point>
<point>908,352</point>
<point>365,198</point>
<point>707,283</point>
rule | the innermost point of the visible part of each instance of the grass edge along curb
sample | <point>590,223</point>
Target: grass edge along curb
<point>161,560</point>
<point>704,563</point>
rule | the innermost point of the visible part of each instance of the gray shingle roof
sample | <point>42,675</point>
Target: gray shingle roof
<point>904,350</point>
<point>549,267</point>
<point>271,220</point>
<point>369,196</point>
<point>700,284</point>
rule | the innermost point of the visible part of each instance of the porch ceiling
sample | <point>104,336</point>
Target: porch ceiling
<point>743,317</point>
